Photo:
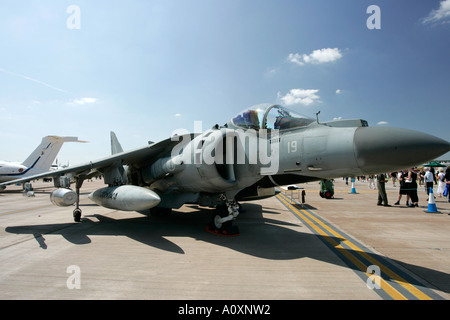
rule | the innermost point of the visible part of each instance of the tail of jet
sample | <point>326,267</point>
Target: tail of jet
<point>115,144</point>
<point>41,159</point>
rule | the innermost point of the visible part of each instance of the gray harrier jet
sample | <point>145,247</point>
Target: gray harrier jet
<point>257,150</point>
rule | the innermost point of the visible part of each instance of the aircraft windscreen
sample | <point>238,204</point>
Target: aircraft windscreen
<point>281,118</point>
<point>270,117</point>
<point>249,119</point>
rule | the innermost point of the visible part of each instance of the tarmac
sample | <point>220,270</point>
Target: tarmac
<point>343,248</point>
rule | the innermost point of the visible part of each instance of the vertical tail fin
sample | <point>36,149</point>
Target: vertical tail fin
<point>43,156</point>
<point>115,144</point>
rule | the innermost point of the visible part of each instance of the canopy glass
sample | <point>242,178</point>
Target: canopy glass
<point>270,117</point>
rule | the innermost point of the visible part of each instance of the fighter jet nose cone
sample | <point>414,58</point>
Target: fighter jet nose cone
<point>384,149</point>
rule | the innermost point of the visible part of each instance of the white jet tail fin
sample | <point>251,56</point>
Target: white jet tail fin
<point>115,144</point>
<point>43,156</point>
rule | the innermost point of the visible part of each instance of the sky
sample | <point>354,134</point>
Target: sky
<point>144,68</point>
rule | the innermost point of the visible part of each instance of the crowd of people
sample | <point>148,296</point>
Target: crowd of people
<point>410,180</point>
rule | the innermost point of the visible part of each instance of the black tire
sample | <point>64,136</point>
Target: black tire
<point>77,215</point>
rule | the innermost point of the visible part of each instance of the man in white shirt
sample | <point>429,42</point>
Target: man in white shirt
<point>429,178</point>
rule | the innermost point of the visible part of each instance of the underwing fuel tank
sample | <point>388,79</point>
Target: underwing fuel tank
<point>125,198</point>
<point>63,197</point>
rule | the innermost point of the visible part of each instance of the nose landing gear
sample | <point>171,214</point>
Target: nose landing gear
<point>77,211</point>
<point>222,222</point>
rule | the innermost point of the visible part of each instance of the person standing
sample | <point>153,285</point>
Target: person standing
<point>382,196</point>
<point>421,175</point>
<point>408,187</point>
<point>412,177</point>
<point>401,179</point>
<point>429,179</point>
<point>434,174</point>
<point>393,177</point>
<point>371,182</point>
<point>441,182</point>
<point>447,183</point>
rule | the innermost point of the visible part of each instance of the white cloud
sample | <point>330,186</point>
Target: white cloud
<point>338,91</point>
<point>85,100</point>
<point>271,72</point>
<point>304,97</point>
<point>295,58</point>
<point>382,123</point>
<point>177,114</point>
<point>323,56</point>
<point>440,14</point>
<point>319,56</point>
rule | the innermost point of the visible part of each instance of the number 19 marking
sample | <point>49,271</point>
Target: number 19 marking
<point>292,146</point>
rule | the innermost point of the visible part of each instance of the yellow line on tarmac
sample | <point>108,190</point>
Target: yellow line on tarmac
<point>386,286</point>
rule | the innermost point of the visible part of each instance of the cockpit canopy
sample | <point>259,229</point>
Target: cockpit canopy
<point>267,116</point>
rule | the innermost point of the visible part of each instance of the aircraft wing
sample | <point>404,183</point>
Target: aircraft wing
<point>136,158</point>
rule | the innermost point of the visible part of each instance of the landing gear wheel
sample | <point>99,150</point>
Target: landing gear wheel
<point>77,211</point>
<point>77,215</point>
<point>217,222</point>
<point>222,228</point>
